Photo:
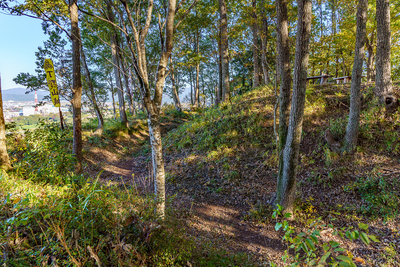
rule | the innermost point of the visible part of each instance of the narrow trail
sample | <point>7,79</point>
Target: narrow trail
<point>207,220</point>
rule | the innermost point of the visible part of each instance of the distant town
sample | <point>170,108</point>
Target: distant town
<point>12,108</point>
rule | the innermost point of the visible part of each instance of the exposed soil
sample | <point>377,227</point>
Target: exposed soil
<point>218,209</point>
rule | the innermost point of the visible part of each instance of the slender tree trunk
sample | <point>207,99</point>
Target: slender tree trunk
<point>355,97</point>
<point>333,17</point>
<point>116,67</point>
<point>5,163</point>
<point>384,88</point>
<point>132,91</point>
<point>371,56</point>
<point>126,80</point>
<point>264,42</point>
<point>284,72</point>
<point>113,101</point>
<point>92,96</point>
<point>117,74</point>
<point>254,27</point>
<point>286,191</point>
<point>224,51</point>
<point>192,101</point>
<point>197,86</point>
<point>76,86</point>
<point>218,97</point>
<point>175,94</point>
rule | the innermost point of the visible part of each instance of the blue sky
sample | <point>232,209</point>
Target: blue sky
<point>20,37</point>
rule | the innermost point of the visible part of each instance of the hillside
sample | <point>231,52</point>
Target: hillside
<point>225,163</point>
<point>221,166</point>
<point>18,94</point>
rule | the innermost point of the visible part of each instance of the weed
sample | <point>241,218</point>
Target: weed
<point>381,196</point>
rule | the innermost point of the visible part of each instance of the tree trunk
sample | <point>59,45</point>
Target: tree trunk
<point>191,87</point>
<point>371,57</point>
<point>355,96</point>
<point>384,88</point>
<point>113,102</point>
<point>157,160</point>
<point>286,191</point>
<point>132,91</point>
<point>117,74</point>
<point>197,86</point>
<point>264,42</point>
<point>5,163</point>
<point>224,51</point>
<point>285,76</point>
<point>333,7</point>
<point>92,96</point>
<point>175,94</point>
<point>76,86</point>
<point>218,97</point>
<point>126,80</point>
<point>116,67</point>
<point>254,28</point>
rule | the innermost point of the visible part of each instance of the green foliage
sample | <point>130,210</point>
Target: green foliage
<point>50,216</point>
<point>310,249</point>
<point>220,130</point>
<point>43,155</point>
<point>380,194</point>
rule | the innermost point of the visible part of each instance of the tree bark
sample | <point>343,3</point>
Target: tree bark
<point>126,80</point>
<point>224,51</point>
<point>113,102</point>
<point>117,74</point>
<point>254,28</point>
<point>116,67</point>
<point>355,96</point>
<point>218,97</point>
<point>284,72</point>
<point>92,96</point>
<point>197,86</point>
<point>384,88</point>
<point>175,94</point>
<point>264,42</point>
<point>76,86</point>
<point>370,62</point>
<point>5,163</point>
<point>286,191</point>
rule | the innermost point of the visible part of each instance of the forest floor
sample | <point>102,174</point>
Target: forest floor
<point>222,191</point>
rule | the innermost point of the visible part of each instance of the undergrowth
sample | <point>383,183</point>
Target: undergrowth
<point>49,216</point>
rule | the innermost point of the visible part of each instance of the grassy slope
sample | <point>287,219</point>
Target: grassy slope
<point>223,155</point>
<point>49,216</point>
<point>228,156</point>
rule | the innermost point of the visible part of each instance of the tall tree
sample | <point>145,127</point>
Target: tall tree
<point>355,97</point>
<point>369,43</point>
<point>224,51</point>
<point>92,95</point>
<point>284,74</point>
<point>264,41</point>
<point>117,68</point>
<point>152,101</point>
<point>286,190</point>
<point>254,28</point>
<point>5,163</point>
<point>384,88</point>
<point>175,95</point>
<point>76,86</point>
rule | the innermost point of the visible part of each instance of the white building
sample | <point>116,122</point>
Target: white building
<point>48,109</point>
<point>26,111</point>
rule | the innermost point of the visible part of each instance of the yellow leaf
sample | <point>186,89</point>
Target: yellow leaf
<point>349,254</point>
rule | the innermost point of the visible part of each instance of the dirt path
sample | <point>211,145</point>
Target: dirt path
<point>214,221</point>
